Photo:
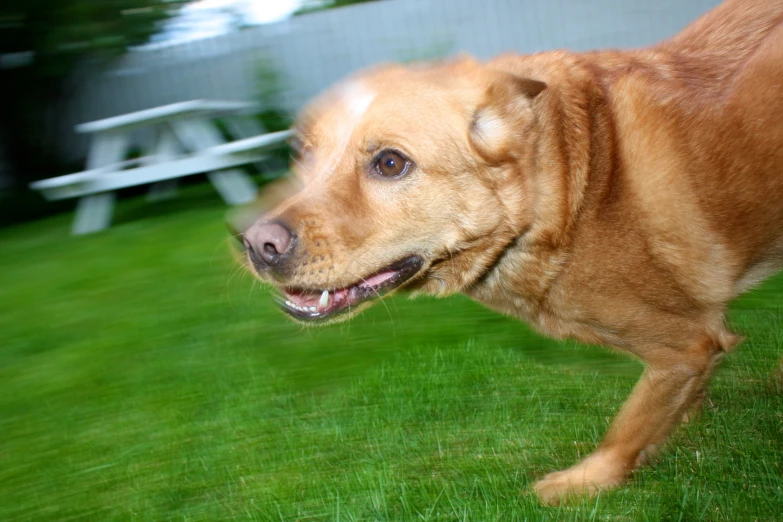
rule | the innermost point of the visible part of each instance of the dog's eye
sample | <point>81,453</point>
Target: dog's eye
<point>391,164</point>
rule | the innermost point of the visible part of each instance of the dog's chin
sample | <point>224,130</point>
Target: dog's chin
<point>330,305</point>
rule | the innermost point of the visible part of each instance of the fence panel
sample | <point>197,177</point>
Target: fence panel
<point>312,51</point>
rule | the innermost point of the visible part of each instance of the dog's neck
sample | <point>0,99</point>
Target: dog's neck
<point>583,175</point>
<point>570,174</point>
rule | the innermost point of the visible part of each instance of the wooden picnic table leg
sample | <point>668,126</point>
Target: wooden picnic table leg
<point>165,148</point>
<point>233,185</point>
<point>93,212</point>
<point>244,126</point>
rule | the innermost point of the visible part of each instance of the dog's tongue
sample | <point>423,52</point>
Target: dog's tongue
<point>340,297</point>
<point>378,279</point>
<point>347,296</point>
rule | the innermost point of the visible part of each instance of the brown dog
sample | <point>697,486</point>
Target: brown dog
<point>621,198</point>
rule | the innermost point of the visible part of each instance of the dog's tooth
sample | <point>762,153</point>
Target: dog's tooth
<point>324,299</point>
<point>312,309</point>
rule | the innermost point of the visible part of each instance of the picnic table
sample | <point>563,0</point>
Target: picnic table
<point>185,141</point>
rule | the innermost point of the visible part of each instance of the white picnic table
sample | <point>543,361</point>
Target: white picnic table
<point>185,142</point>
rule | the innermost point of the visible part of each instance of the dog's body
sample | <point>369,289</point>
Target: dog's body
<point>621,198</point>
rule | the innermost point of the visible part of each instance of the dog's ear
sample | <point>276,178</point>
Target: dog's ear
<point>500,118</point>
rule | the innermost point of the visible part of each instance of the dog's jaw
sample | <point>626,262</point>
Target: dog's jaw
<point>329,305</point>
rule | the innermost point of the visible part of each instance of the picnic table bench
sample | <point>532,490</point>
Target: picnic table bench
<point>185,142</point>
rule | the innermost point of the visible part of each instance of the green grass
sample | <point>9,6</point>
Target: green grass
<point>143,377</point>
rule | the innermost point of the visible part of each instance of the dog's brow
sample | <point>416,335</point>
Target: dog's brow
<point>354,100</point>
<point>357,98</point>
<point>372,146</point>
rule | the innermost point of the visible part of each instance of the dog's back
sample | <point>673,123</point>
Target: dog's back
<point>724,123</point>
<point>741,45</point>
<point>731,31</point>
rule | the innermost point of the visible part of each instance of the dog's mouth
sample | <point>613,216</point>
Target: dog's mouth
<point>308,304</point>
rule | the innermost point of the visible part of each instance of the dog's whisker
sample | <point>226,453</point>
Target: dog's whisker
<point>380,298</point>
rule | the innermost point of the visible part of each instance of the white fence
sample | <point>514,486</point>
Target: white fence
<point>312,51</point>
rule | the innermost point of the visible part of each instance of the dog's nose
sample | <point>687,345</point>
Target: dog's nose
<point>267,243</point>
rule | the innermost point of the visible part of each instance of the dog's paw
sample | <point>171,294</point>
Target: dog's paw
<point>696,408</point>
<point>586,478</point>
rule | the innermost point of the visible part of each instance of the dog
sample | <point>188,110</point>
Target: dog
<point>614,197</point>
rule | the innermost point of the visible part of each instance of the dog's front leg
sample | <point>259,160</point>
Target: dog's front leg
<point>671,382</point>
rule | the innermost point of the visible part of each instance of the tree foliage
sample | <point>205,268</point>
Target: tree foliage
<point>43,44</point>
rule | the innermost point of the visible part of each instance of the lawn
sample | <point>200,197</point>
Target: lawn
<point>144,377</point>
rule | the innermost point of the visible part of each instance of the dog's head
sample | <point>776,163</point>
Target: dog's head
<point>414,176</point>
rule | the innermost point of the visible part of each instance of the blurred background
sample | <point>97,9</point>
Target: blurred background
<point>66,62</point>
<point>145,375</point>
